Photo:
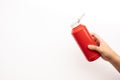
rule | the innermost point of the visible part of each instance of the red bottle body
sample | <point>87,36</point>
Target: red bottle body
<point>83,39</point>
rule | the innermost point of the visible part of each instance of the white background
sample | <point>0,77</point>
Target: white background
<point>36,41</point>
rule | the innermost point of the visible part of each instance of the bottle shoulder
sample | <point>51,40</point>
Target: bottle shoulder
<point>78,28</point>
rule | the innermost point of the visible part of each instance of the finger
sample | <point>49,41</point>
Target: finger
<point>93,38</point>
<point>96,40</point>
<point>97,37</point>
<point>95,48</point>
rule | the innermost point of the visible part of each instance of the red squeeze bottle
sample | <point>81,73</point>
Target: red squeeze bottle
<point>83,39</point>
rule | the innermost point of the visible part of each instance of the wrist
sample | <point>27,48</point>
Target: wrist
<point>114,58</point>
<point>115,61</point>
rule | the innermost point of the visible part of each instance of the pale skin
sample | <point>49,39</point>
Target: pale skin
<point>105,51</point>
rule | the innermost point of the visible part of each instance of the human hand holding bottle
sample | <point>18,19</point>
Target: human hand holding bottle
<point>105,51</point>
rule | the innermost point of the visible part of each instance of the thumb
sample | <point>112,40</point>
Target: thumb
<point>95,48</point>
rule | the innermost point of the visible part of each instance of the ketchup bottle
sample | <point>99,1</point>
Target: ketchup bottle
<point>83,39</point>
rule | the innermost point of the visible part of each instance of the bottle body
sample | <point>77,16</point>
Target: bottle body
<point>83,39</point>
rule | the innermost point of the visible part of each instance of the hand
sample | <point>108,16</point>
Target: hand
<point>102,47</point>
<point>105,51</point>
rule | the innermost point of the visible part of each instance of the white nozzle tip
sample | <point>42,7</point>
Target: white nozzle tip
<point>78,21</point>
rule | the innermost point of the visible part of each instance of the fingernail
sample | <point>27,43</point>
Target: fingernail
<point>90,46</point>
